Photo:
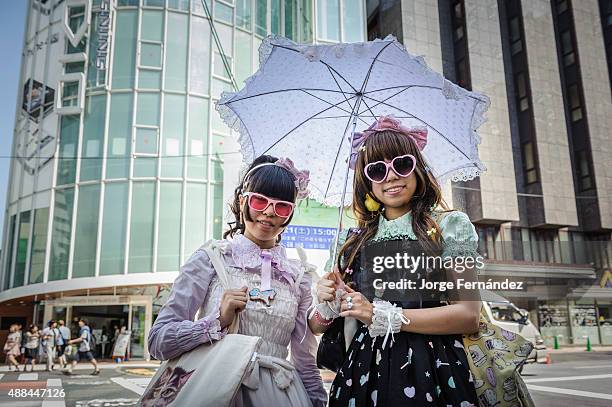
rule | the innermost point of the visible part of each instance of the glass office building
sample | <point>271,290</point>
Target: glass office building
<point>121,165</point>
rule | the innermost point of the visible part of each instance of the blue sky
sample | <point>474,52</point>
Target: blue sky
<point>12,22</point>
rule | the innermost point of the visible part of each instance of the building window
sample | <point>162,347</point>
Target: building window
<point>124,57</point>
<point>462,73</point>
<point>70,93</point>
<point>176,51</point>
<point>307,17</point>
<point>119,136</point>
<point>459,33</point>
<point>61,234</point>
<point>195,211</point>
<point>574,103</point>
<point>353,20</point>
<point>86,231</point>
<point>146,141</point>
<point>39,245</point>
<point>72,67</point>
<point>605,11</point>
<point>155,3</point>
<point>22,248</point>
<point>199,64</point>
<point>224,13</point>
<point>561,6</point>
<point>328,20</point>
<point>151,54</point>
<point>148,109</point>
<point>142,227</point>
<point>261,18</point>
<point>114,226</point>
<point>537,245</point>
<point>529,166</point>
<point>489,242</point>
<point>93,138</point>
<point>243,14</point>
<point>460,45</point>
<point>567,48</point>
<point>516,43</point>
<point>182,5</point>
<point>275,17</point>
<point>219,66</point>
<point>584,171</point>
<point>458,11</point>
<point>9,253</point>
<point>521,92</point>
<point>169,230</point>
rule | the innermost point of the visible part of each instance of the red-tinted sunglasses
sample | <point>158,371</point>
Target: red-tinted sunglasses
<point>260,203</point>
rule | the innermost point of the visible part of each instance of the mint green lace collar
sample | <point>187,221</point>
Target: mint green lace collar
<point>399,228</point>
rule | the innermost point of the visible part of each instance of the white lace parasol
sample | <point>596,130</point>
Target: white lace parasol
<point>304,99</point>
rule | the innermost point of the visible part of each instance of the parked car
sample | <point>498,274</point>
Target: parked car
<point>505,314</point>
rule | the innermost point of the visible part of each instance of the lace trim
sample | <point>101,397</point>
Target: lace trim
<point>400,228</point>
<point>459,248</point>
<point>212,326</point>
<point>247,254</point>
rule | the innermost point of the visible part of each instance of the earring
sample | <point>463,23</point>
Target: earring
<point>370,204</point>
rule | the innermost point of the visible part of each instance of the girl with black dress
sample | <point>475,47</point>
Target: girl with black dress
<point>423,361</point>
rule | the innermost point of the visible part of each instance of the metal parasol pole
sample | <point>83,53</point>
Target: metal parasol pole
<point>341,210</point>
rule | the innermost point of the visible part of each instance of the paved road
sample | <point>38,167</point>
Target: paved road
<point>115,386</point>
<point>581,383</point>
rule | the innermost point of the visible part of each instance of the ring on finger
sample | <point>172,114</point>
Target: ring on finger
<point>349,303</point>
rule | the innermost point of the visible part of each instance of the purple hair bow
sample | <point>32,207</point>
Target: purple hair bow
<point>418,134</point>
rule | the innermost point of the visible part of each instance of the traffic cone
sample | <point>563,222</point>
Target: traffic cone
<point>588,349</point>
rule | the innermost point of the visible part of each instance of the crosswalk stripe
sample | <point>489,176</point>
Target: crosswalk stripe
<point>56,401</point>
<point>571,392</point>
<point>128,384</point>
<point>28,376</point>
<point>54,382</point>
<point>1,376</point>
<point>569,378</point>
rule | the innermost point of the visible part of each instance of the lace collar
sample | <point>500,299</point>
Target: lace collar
<point>399,228</point>
<point>248,256</point>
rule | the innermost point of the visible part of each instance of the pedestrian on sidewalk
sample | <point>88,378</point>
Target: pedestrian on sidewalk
<point>11,347</point>
<point>21,342</point>
<point>65,338</point>
<point>49,338</point>
<point>84,351</point>
<point>31,347</point>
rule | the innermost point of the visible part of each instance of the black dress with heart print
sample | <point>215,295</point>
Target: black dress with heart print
<point>411,370</point>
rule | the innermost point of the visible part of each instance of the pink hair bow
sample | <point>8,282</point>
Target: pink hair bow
<point>418,134</point>
<point>302,178</point>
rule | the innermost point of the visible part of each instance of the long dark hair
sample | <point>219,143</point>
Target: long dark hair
<point>269,180</point>
<point>385,145</point>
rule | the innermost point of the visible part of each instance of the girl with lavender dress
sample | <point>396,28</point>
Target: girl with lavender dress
<point>271,292</point>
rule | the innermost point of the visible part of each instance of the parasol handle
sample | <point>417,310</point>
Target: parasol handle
<point>341,210</point>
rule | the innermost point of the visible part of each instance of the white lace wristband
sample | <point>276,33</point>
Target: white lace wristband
<point>386,319</point>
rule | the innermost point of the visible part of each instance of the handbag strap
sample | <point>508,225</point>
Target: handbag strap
<point>306,267</point>
<point>217,263</point>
